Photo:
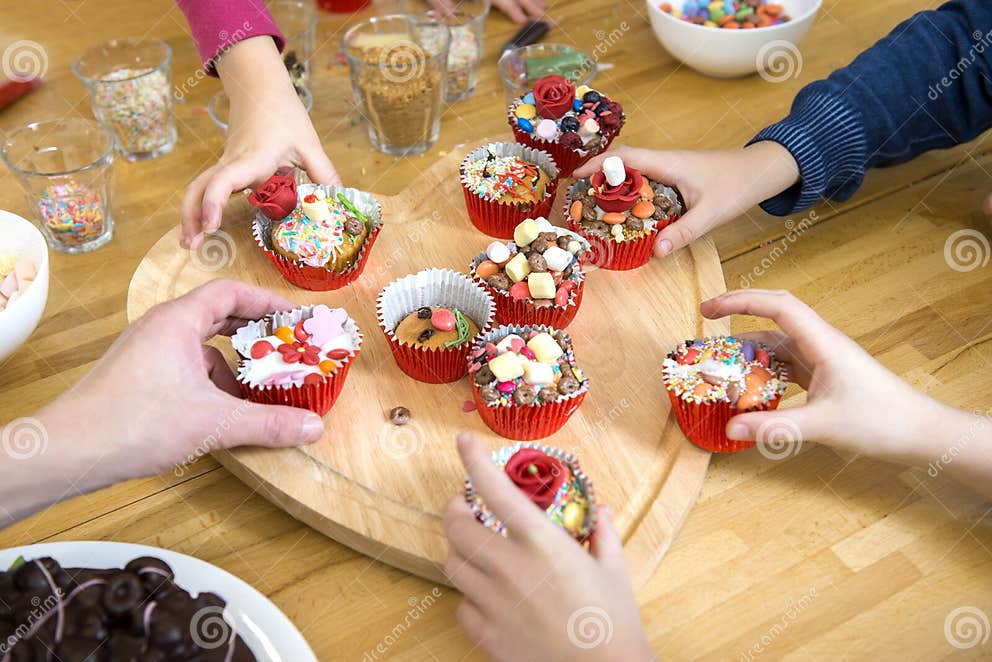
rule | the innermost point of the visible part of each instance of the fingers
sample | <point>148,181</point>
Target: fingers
<point>223,181</point>
<point>209,309</point>
<point>473,621</point>
<point>521,517</point>
<point>680,234</point>
<point>606,545</point>
<point>252,424</point>
<point>535,9</point>
<point>319,167</point>
<point>468,579</point>
<point>512,10</point>
<point>444,7</point>
<point>800,368</point>
<point>191,221</point>
<point>468,537</point>
<point>661,165</point>
<point>792,315</point>
<point>779,426</point>
<point>219,373</point>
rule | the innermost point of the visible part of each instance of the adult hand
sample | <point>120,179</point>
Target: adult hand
<point>518,11</point>
<point>269,129</point>
<point>537,594</point>
<point>716,186</point>
<point>158,398</point>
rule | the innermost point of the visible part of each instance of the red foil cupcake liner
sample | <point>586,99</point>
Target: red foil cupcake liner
<point>568,160</point>
<point>705,425</point>
<point>497,219</point>
<point>318,398</point>
<point>614,255</point>
<point>437,287</point>
<point>319,279</point>
<point>523,313</point>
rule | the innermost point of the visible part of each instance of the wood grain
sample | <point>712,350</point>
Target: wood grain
<point>890,552</point>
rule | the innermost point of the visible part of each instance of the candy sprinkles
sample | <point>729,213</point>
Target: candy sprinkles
<point>499,177</point>
<point>72,213</point>
<point>743,373</point>
<point>137,103</point>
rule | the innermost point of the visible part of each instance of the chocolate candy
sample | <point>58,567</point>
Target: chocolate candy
<point>354,227</point>
<point>538,263</point>
<point>524,395</point>
<point>399,416</point>
<point>500,282</point>
<point>568,385</point>
<point>592,96</point>
<point>547,394</point>
<point>424,313</point>
<point>569,124</point>
<point>425,335</point>
<point>489,394</point>
<point>484,376</point>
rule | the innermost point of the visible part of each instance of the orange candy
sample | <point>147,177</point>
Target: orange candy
<point>643,209</point>
<point>486,269</point>
<point>327,367</point>
<point>702,390</point>
<point>575,211</point>
<point>285,334</point>
<point>754,383</point>
<point>614,218</point>
<point>646,191</point>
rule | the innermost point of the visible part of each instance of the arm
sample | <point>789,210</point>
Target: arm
<point>157,400</point>
<point>219,24</point>
<point>927,85</point>
<point>853,402</point>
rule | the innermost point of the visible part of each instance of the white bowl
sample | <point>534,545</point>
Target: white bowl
<point>723,53</point>
<point>21,238</point>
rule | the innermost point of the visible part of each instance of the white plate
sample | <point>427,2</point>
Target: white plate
<point>267,631</point>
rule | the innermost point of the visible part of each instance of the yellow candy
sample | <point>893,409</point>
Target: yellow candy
<point>546,349</point>
<point>574,516</point>
<point>327,367</point>
<point>526,111</point>
<point>710,24</point>
<point>506,367</point>
<point>285,334</point>
<point>581,90</point>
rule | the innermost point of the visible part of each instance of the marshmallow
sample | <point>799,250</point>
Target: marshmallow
<point>545,348</point>
<point>574,246</point>
<point>557,258</point>
<point>517,268</point>
<point>589,128</point>
<point>547,129</point>
<point>614,170</point>
<point>498,252</point>
<point>506,367</point>
<point>525,232</point>
<point>542,285</point>
<point>317,212</point>
<point>538,374</point>
<point>506,344</point>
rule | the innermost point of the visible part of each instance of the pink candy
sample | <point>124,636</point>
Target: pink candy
<point>526,351</point>
<point>506,387</point>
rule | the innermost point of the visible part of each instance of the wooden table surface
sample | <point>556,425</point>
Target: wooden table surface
<point>817,555</point>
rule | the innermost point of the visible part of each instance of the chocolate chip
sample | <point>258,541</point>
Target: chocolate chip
<point>563,241</point>
<point>537,262</point>
<point>540,245</point>
<point>524,395</point>
<point>567,385</point>
<point>353,226</point>
<point>424,313</point>
<point>399,416</point>
<point>547,394</point>
<point>500,282</point>
<point>484,376</point>
<point>633,224</point>
<point>489,393</point>
<point>425,335</point>
<point>549,237</point>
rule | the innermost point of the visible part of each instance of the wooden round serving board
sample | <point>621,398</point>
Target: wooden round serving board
<point>381,489</point>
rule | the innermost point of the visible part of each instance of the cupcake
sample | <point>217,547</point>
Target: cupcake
<point>709,381</point>
<point>298,358</point>
<point>552,479</point>
<point>504,183</point>
<point>572,125</point>
<point>620,212</point>
<point>430,320</point>
<point>525,381</point>
<point>323,241</point>
<point>537,278</point>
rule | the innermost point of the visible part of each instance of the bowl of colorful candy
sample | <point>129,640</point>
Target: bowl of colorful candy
<point>23,280</point>
<point>730,38</point>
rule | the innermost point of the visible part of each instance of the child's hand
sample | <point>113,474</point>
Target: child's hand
<point>268,129</point>
<point>519,11</point>
<point>537,594</point>
<point>716,186</point>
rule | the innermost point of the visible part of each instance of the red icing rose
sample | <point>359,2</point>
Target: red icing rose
<point>276,197</point>
<point>537,474</point>
<point>617,198</point>
<point>554,96</point>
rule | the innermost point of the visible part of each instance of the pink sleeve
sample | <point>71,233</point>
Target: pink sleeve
<point>219,24</point>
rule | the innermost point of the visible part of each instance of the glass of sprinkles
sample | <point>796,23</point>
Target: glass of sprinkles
<point>66,168</point>
<point>466,21</point>
<point>130,86</point>
<point>297,21</point>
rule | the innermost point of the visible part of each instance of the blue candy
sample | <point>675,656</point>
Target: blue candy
<point>529,98</point>
<point>577,105</point>
<point>747,349</point>
<point>525,125</point>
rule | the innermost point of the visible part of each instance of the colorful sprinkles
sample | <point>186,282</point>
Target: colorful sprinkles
<point>505,178</point>
<point>137,104</point>
<point>72,213</point>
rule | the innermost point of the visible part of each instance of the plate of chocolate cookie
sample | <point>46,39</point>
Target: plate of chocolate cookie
<point>99,600</point>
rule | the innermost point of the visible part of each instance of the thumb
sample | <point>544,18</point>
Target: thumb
<point>606,546</point>
<point>779,430</point>
<point>319,167</point>
<point>680,233</point>
<point>223,181</point>
<point>252,424</point>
